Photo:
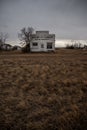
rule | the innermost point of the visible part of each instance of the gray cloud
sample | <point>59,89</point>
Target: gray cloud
<point>66,18</point>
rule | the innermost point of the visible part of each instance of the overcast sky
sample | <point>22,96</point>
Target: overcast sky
<point>66,18</point>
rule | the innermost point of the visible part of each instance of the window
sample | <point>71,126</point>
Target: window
<point>35,44</point>
<point>49,45</point>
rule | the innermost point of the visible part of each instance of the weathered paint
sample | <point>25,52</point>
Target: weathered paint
<point>42,38</point>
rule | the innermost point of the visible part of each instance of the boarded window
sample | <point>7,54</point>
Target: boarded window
<point>49,45</point>
<point>35,44</point>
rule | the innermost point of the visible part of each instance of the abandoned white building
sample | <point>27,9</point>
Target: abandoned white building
<point>42,41</point>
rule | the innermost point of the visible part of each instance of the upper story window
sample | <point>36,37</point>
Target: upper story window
<point>49,45</point>
<point>35,44</point>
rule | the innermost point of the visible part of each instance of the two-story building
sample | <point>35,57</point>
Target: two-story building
<point>42,41</point>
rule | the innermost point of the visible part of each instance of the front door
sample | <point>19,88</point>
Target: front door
<point>42,47</point>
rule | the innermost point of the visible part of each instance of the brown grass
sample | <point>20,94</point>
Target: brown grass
<point>41,91</point>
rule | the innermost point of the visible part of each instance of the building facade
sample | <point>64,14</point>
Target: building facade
<point>42,41</point>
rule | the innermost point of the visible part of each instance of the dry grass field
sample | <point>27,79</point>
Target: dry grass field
<point>43,91</point>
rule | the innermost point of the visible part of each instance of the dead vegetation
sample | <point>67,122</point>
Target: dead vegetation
<point>43,91</point>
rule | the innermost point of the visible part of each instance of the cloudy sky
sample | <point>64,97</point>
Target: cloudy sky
<point>66,18</point>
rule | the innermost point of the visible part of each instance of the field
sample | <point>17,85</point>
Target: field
<point>43,91</point>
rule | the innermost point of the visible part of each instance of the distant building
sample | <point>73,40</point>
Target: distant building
<point>6,47</point>
<point>42,41</point>
<point>16,47</point>
<point>85,47</point>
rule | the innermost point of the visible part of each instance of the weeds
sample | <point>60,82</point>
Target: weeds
<point>43,91</point>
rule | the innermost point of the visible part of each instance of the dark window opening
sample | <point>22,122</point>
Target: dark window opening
<point>35,44</point>
<point>49,45</point>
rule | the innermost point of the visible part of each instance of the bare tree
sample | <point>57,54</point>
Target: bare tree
<point>74,45</point>
<point>3,38</point>
<point>26,37</point>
